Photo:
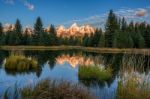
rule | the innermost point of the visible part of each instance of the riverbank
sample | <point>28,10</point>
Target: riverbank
<point>87,49</point>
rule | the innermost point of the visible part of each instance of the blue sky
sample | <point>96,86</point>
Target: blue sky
<point>66,12</point>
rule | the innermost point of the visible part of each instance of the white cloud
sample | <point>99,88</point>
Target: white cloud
<point>11,2</point>
<point>141,12</point>
<point>96,20</point>
<point>137,15</point>
<point>28,5</point>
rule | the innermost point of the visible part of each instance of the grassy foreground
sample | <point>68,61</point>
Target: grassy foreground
<point>133,83</point>
<point>88,49</point>
<point>49,89</point>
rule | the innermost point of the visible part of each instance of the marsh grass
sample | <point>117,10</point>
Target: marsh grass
<point>48,89</point>
<point>134,83</point>
<point>94,73</point>
<point>9,94</point>
<point>20,63</point>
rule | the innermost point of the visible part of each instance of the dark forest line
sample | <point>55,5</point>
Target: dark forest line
<point>118,33</point>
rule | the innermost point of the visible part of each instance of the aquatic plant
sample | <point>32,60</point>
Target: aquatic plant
<point>9,94</point>
<point>48,89</point>
<point>133,83</point>
<point>20,63</point>
<point>133,86</point>
<point>94,73</point>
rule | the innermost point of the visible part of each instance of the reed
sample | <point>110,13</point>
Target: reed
<point>48,89</point>
<point>133,83</point>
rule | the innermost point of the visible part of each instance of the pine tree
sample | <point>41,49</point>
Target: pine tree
<point>137,37</point>
<point>145,31</point>
<point>38,30</point>
<point>96,37</point>
<point>102,41</point>
<point>85,40</point>
<point>18,32</point>
<point>11,38</point>
<point>45,39</point>
<point>53,35</point>
<point>26,38</point>
<point>1,29</point>
<point>2,35</point>
<point>110,29</point>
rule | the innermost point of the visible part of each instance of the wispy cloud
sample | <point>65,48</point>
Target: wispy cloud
<point>11,2</point>
<point>96,20</point>
<point>137,15</point>
<point>141,12</point>
<point>26,3</point>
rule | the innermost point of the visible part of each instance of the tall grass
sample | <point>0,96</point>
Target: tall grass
<point>20,63</point>
<point>9,94</point>
<point>133,84</point>
<point>48,89</point>
<point>94,73</point>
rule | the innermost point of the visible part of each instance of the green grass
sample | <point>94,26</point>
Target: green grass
<point>48,89</point>
<point>20,63</point>
<point>94,73</point>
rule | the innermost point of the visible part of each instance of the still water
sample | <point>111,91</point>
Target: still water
<point>63,65</point>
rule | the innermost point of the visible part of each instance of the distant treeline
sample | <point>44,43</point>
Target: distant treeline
<point>117,34</point>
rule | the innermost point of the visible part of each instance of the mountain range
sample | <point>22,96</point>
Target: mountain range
<point>73,30</point>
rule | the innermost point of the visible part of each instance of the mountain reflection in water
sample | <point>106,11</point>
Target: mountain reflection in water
<point>63,65</point>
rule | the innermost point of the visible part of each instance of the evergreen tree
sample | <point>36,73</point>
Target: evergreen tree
<point>138,40</point>
<point>38,30</point>
<point>18,32</point>
<point>124,39</point>
<point>145,31</point>
<point>102,41</point>
<point>2,35</point>
<point>46,39</point>
<point>110,29</point>
<point>96,37</point>
<point>1,29</point>
<point>26,38</point>
<point>11,38</point>
<point>53,36</point>
<point>85,40</point>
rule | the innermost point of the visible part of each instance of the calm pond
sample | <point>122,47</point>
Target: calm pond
<point>64,65</point>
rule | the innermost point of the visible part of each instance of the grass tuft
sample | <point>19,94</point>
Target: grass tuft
<point>20,63</point>
<point>48,89</point>
<point>94,73</point>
